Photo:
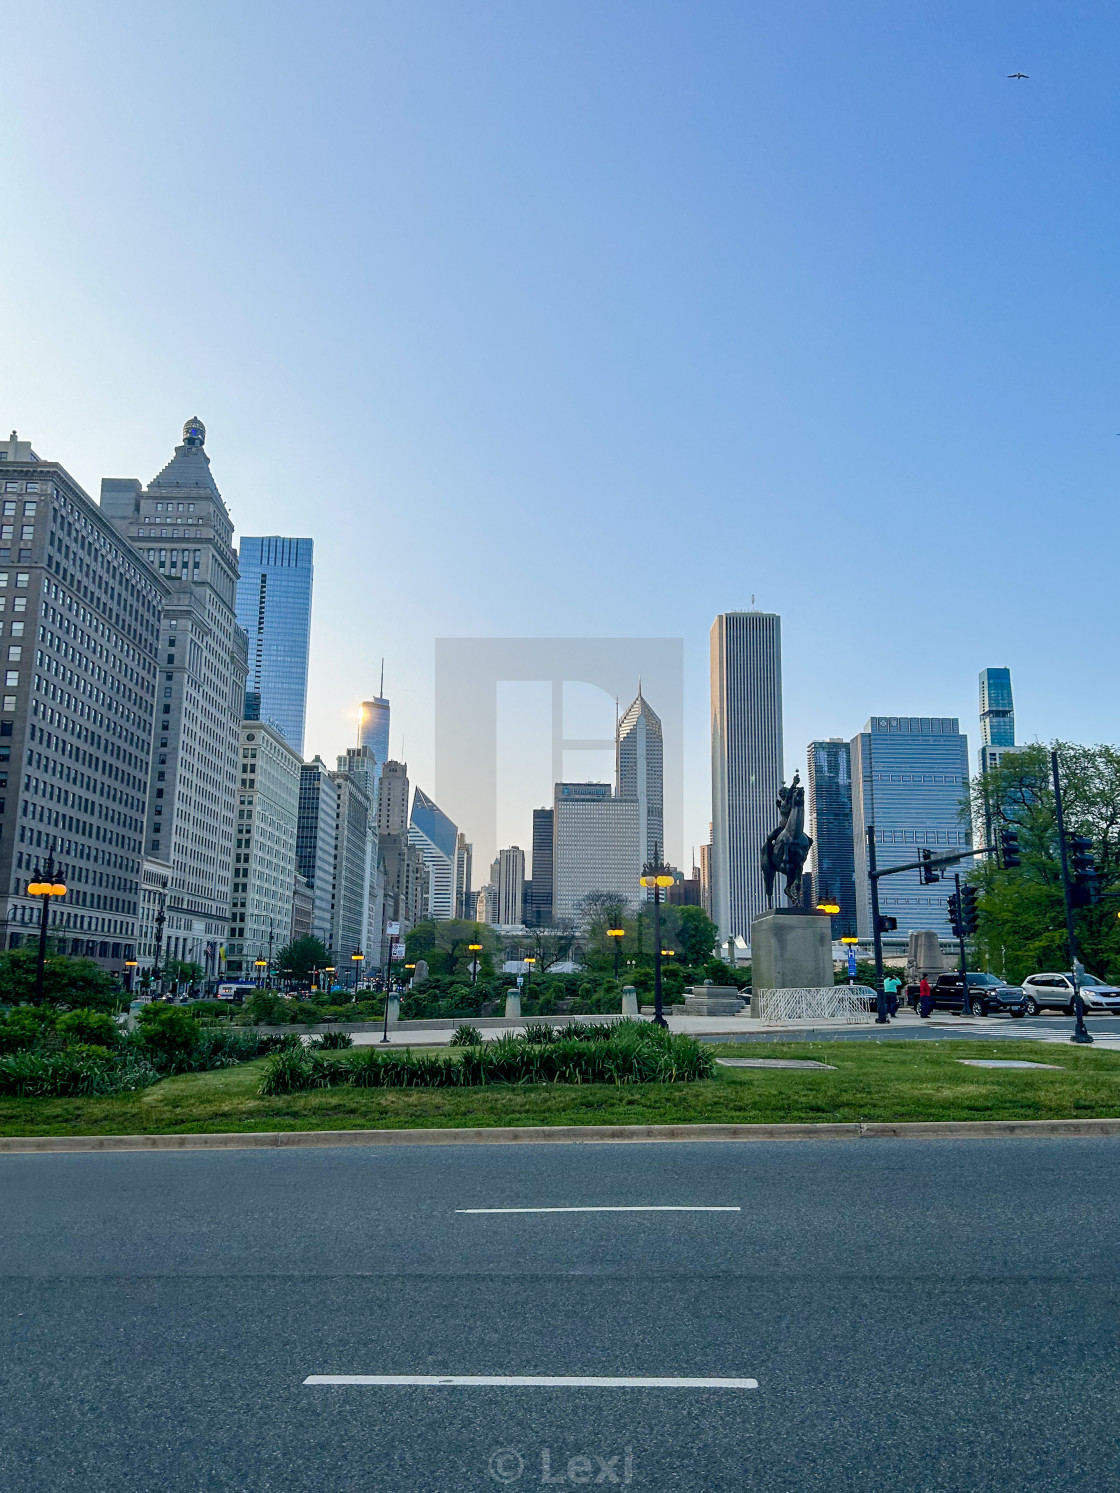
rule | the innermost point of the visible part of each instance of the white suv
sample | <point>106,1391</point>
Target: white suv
<point>1056,991</point>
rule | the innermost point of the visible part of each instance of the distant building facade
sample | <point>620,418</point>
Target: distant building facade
<point>432,833</point>
<point>997,716</point>
<point>464,897</point>
<point>595,847</point>
<point>315,842</point>
<point>274,607</point>
<point>538,899</point>
<point>640,773</point>
<point>264,862</point>
<point>511,883</point>
<point>910,780</point>
<point>746,716</point>
<point>828,802</point>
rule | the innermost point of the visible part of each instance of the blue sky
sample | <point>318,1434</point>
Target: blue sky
<point>599,319</point>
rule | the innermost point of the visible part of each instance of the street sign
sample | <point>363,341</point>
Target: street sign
<point>852,962</point>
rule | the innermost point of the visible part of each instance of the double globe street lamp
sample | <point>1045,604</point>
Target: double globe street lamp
<point>47,888</point>
<point>616,934</point>
<point>657,877</point>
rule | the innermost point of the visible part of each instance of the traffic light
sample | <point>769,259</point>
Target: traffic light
<point>929,875</point>
<point>887,924</point>
<point>1085,883</point>
<point>1009,848</point>
<point>955,915</point>
<point>969,913</point>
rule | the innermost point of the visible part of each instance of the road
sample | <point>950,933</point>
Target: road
<point>923,1317</point>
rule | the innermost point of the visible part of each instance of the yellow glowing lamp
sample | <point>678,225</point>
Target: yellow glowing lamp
<point>849,940</point>
<point>474,948</point>
<point>529,959</point>
<point>46,889</point>
<point>261,963</point>
<point>668,953</point>
<point>357,956</point>
<point>616,932</point>
<point>829,907</point>
<point>410,966</point>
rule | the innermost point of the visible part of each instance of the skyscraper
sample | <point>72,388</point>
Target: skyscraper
<point>315,841</point>
<point>538,911</point>
<point>373,725</point>
<point>464,897</point>
<point>274,608</point>
<point>910,780</point>
<point>511,885</point>
<point>434,835</point>
<point>181,527</point>
<point>828,798</point>
<point>595,847</point>
<point>264,868</point>
<point>79,624</point>
<point>639,773</point>
<point>746,681</point>
<point>997,716</point>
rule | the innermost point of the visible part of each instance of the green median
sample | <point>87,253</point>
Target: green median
<point>887,1081</point>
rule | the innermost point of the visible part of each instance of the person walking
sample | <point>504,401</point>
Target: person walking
<point>925,998</point>
<point>891,986</point>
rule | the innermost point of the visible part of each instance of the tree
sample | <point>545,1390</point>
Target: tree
<point>66,982</point>
<point>1022,912</point>
<point>695,934</point>
<point>445,945</point>
<point>298,959</point>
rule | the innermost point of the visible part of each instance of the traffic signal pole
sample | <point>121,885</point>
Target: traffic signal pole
<point>1080,1034</point>
<point>877,932</point>
<point>965,1009</point>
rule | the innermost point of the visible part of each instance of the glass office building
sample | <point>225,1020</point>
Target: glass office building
<point>274,608</point>
<point>829,802</point>
<point>997,716</point>
<point>910,780</point>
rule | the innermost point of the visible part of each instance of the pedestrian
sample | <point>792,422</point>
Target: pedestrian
<point>891,986</point>
<point>925,998</point>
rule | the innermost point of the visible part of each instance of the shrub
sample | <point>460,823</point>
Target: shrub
<point>466,1035</point>
<point>25,1026</point>
<point>88,1026</point>
<point>333,1039</point>
<point>539,1031</point>
<point>167,1033</point>
<point>74,1072</point>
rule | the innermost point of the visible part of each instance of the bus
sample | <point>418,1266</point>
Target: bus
<point>235,992</point>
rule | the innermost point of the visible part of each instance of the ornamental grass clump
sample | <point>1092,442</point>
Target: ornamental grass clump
<point>466,1035</point>
<point>632,1052</point>
<point>76,1072</point>
<point>331,1040</point>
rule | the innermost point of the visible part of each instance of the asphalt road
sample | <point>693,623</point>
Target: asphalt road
<point>923,1317</point>
<point>945,1026</point>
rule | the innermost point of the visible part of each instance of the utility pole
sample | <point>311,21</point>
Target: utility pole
<point>877,932</point>
<point>1080,1034</point>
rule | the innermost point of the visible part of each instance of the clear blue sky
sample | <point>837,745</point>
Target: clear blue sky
<point>600,318</point>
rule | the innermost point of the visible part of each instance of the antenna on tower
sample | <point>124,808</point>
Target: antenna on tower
<point>381,687</point>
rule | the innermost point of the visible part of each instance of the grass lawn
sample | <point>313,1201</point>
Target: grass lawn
<point>872,1081</point>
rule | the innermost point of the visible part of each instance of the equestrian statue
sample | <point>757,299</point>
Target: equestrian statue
<point>787,846</point>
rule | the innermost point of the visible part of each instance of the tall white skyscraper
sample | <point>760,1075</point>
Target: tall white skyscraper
<point>746,652</point>
<point>511,885</point>
<point>434,835</point>
<point>640,773</point>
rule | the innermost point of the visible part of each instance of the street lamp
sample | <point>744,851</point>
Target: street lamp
<point>656,875</point>
<point>616,934</point>
<point>476,950</point>
<point>851,943</point>
<point>47,888</point>
<point>130,965</point>
<point>260,965</point>
<point>529,961</point>
<point>832,908</point>
<point>410,966</point>
<point>329,969</point>
<point>357,958</point>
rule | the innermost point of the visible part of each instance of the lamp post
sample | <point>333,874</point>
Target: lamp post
<point>410,966</point>
<point>47,888</point>
<point>357,959</point>
<point>476,950</point>
<point>656,875</point>
<point>388,983</point>
<point>616,934</point>
<point>260,965</point>
<point>528,962</point>
<point>851,946</point>
<point>329,969</point>
<point>130,965</point>
<point>161,917</point>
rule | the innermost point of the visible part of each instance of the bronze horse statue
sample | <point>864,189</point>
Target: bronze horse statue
<point>787,847</point>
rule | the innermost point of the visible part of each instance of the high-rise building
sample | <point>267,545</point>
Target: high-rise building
<point>373,727</point>
<point>828,796</point>
<point>997,716</point>
<point>433,834</point>
<point>640,773</point>
<point>595,847</point>
<point>180,526</point>
<point>392,803</point>
<point>910,780</point>
<point>350,899</point>
<point>538,908</point>
<point>315,842</point>
<point>79,627</point>
<point>464,897</point>
<point>706,875</point>
<point>746,680</point>
<point>264,857</point>
<point>274,608</point>
<point>486,904</point>
<point>511,885</point>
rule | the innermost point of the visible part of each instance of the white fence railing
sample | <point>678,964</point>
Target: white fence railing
<point>851,1004</point>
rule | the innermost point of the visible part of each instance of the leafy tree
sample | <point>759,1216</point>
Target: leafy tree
<point>297,960</point>
<point>1021,911</point>
<point>66,982</point>
<point>695,935</point>
<point>445,948</point>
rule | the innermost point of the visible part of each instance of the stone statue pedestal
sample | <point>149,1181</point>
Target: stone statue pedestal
<point>713,1000</point>
<point>513,1005</point>
<point>629,1001</point>
<point>394,1009</point>
<point>791,949</point>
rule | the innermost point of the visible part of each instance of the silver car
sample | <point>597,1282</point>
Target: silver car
<point>1056,991</point>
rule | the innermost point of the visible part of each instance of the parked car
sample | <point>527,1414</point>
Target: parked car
<point>1055,992</point>
<point>987,996</point>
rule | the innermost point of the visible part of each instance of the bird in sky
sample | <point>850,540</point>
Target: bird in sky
<point>1018,75</point>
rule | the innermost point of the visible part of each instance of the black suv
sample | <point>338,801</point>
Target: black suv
<point>987,996</point>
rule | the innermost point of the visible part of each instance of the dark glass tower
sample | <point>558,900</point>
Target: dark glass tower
<point>830,824</point>
<point>274,608</point>
<point>538,902</point>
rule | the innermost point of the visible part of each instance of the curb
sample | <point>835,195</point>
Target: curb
<point>569,1135</point>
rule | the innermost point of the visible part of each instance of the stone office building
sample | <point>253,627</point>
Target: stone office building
<point>80,618</point>
<point>181,528</point>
